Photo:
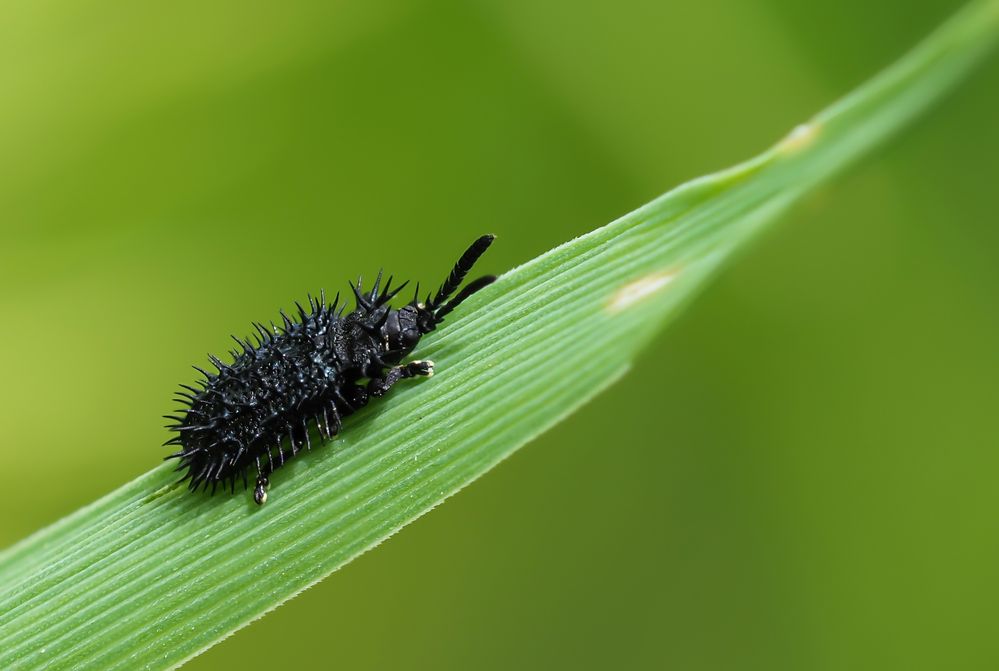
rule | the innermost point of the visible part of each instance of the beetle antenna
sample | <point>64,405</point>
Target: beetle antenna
<point>458,273</point>
<point>469,289</point>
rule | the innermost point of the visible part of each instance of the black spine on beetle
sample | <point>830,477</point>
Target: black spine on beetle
<point>306,372</point>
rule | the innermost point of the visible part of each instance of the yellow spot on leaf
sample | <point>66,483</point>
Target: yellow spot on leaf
<point>799,138</point>
<point>643,287</point>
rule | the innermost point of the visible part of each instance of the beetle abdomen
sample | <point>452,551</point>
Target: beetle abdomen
<point>291,379</point>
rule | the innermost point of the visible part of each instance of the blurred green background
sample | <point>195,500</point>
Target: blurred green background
<point>801,472</point>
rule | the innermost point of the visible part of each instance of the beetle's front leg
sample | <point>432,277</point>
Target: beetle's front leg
<point>379,386</point>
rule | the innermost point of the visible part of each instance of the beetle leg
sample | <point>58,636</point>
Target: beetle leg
<point>260,488</point>
<point>379,386</point>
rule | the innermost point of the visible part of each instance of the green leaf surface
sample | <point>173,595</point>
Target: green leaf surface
<point>151,575</point>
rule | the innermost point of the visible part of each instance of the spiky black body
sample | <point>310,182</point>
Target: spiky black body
<point>256,412</point>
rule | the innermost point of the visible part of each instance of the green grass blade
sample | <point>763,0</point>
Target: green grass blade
<point>150,575</point>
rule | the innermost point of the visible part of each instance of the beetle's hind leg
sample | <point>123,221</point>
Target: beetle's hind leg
<point>379,386</point>
<point>260,488</point>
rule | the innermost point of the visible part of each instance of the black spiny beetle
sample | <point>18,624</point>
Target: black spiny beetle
<point>314,370</point>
